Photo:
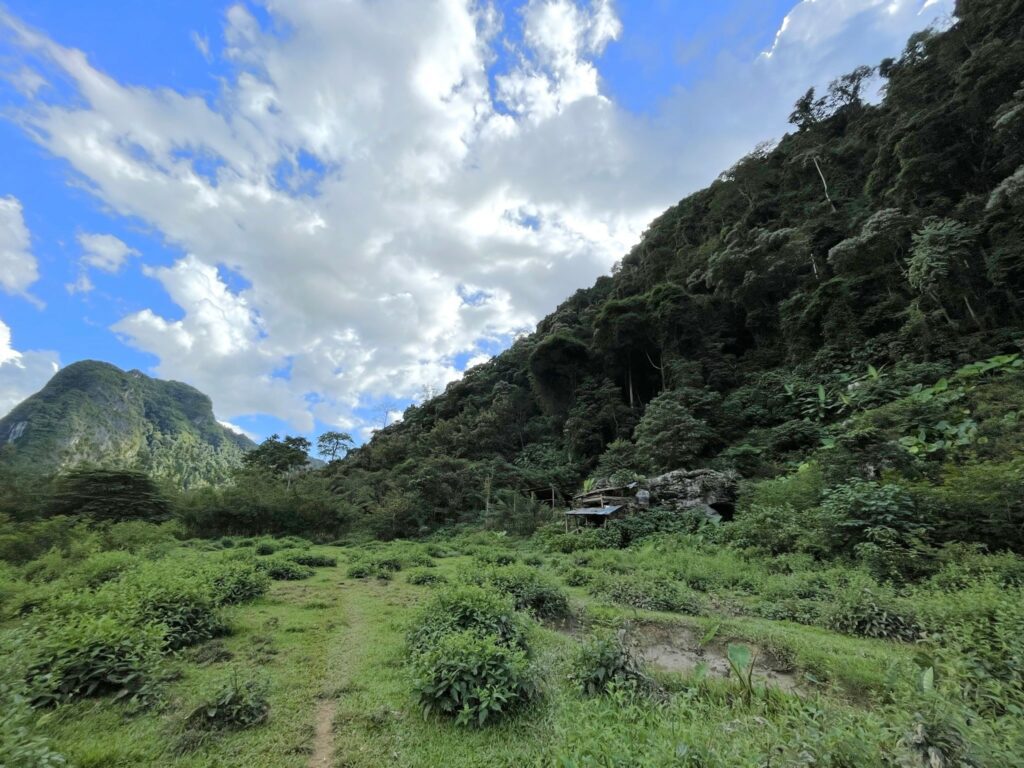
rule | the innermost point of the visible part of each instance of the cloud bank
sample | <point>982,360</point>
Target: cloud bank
<point>400,184</point>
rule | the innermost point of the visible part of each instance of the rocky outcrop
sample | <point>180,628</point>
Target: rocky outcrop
<point>710,490</point>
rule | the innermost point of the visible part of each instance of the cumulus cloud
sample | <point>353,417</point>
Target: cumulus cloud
<point>18,269</point>
<point>394,201</point>
<point>21,373</point>
<point>104,252</point>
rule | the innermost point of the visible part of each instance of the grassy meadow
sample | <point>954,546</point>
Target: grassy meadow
<point>673,651</point>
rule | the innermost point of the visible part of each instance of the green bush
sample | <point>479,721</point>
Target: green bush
<point>423,576</point>
<point>528,588</point>
<point>21,744</point>
<point>314,561</point>
<point>382,567</point>
<point>474,678</point>
<point>857,507</point>
<point>649,593</point>
<point>606,658</point>
<point>773,530</point>
<point>183,604</point>
<point>281,568</point>
<point>467,608</point>
<point>578,577</point>
<point>266,548</point>
<point>90,655</point>
<point>867,609</point>
<point>102,567</point>
<point>235,705</point>
<point>236,580</point>
<point>495,557</point>
<point>979,630</point>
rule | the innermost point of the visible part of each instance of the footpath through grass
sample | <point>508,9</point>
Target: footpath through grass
<point>331,650</point>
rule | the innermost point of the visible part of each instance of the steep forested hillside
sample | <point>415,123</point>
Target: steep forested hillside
<point>94,413</point>
<point>868,255</point>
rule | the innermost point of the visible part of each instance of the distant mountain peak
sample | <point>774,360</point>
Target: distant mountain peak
<point>92,412</point>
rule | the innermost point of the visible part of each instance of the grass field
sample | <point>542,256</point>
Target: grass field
<point>332,652</point>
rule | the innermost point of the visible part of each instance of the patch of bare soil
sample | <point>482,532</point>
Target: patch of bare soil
<point>323,743</point>
<point>677,649</point>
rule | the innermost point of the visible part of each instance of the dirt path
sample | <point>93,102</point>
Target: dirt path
<point>323,745</point>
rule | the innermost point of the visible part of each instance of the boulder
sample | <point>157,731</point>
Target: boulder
<point>683,489</point>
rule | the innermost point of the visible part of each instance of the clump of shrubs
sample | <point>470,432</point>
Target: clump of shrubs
<point>236,581</point>
<point>234,706</point>
<point>314,561</point>
<point>280,568</point>
<point>385,564</point>
<point>183,604</point>
<point>470,654</point>
<point>93,655</point>
<point>870,610</point>
<point>468,607</point>
<point>98,569</point>
<point>495,556</point>
<point>266,548</point>
<point>605,659</point>
<point>425,576</point>
<point>529,590</point>
<point>474,678</point>
<point>21,745</point>
<point>648,593</point>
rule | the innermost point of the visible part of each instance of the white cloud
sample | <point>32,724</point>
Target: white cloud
<point>202,44</point>
<point>369,172</point>
<point>104,252</point>
<point>21,373</point>
<point>18,268</point>
<point>238,430</point>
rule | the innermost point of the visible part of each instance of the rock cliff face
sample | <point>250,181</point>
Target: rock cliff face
<point>95,413</point>
<point>707,489</point>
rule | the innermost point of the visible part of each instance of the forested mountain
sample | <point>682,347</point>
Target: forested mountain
<point>94,413</point>
<point>869,254</point>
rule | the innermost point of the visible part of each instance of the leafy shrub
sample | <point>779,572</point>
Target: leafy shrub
<point>773,530</point>
<point>622,533</point>
<point>21,745</point>
<point>266,548</point>
<point>423,576</point>
<point>605,658</point>
<point>496,557</point>
<point>867,609</point>
<point>234,706</point>
<point>979,631</point>
<point>801,490</point>
<point>183,604</point>
<point>859,506</point>
<point>474,678</point>
<point>467,608</point>
<point>90,655</point>
<point>648,593</point>
<point>554,539</point>
<point>102,567</point>
<point>281,568</point>
<point>578,577</point>
<point>314,561</point>
<point>528,588</point>
<point>236,581</point>
<point>382,567</point>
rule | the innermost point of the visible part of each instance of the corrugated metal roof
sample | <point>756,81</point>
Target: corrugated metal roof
<point>603,511</point>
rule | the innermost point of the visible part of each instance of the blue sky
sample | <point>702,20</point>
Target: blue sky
<point>317,212</point>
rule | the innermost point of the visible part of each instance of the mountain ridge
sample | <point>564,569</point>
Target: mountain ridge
<point>92,412</point>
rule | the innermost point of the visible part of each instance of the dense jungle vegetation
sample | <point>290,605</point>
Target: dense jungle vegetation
<point>838,319</point>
